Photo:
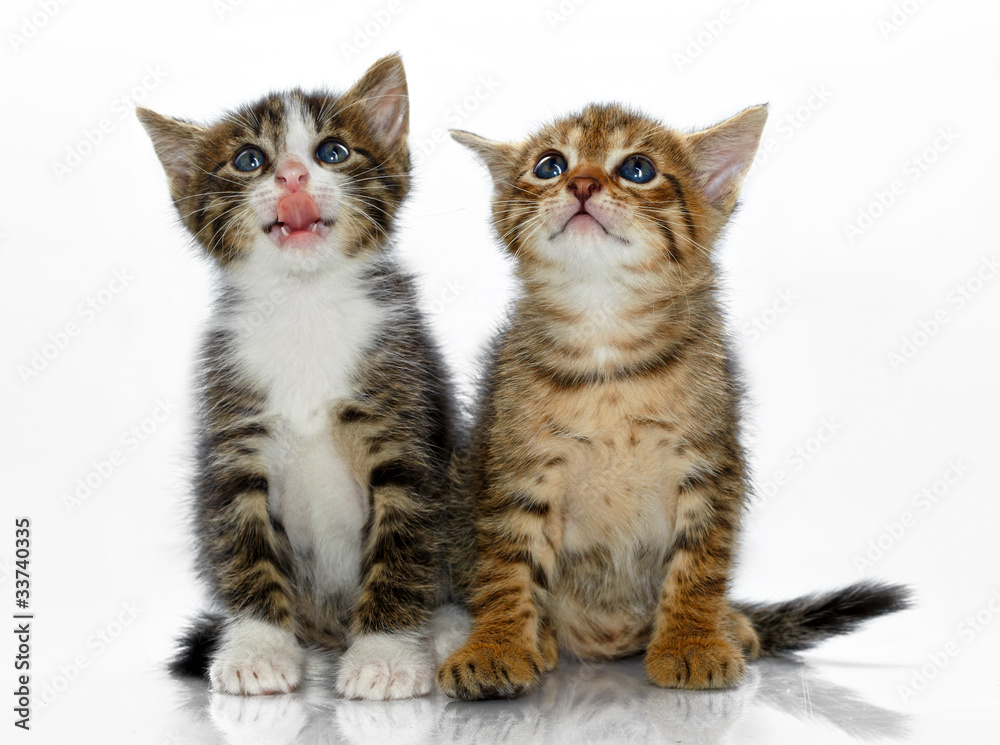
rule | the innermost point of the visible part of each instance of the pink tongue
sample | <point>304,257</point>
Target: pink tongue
<point>297,211</point>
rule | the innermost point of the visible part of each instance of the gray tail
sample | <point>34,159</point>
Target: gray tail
<point>804,622</point>
<point>197,647</point>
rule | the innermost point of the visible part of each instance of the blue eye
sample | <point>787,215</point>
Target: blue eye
<point>637,169</point>
<point>550,166</point>
<point>248,159</point>
<point>332,151</point>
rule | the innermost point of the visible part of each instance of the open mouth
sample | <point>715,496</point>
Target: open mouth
<point>298,222</point>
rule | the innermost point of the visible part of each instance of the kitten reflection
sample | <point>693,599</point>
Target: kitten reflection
<point>602,704</point>
<point>579,703</point>
<point>268,720</point>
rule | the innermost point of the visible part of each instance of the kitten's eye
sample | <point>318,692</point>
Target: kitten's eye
<point>637,169</point>
<point>550,166</point>
<point>332,151</point>
<point>248,159</point>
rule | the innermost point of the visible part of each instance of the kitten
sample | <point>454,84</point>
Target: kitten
<point>605,468</point>
<point>326,418</point>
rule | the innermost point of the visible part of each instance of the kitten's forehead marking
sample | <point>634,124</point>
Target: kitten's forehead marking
<point>299,132</point>
<point>603,149</point>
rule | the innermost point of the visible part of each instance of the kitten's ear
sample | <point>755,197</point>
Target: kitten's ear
<point>175,143</point>
<point>496,156</point>
<point>724,153</point>
<point>382,95</point>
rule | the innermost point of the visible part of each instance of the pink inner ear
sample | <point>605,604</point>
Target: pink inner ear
<point>389,112</point>
<point>721,177</point>
<point>723,163</point>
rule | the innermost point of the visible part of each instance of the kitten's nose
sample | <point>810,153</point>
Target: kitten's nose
<point>584,187</point>
<point>292,175</point>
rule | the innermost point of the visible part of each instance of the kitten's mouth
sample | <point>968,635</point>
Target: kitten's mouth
<point>583,222</point>
<point>299,224</point>
<point>583,219</point>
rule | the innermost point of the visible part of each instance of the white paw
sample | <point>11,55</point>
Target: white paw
<point>383,666</point>
<point>256,657</point>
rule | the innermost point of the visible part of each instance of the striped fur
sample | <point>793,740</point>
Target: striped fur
<point>605,473</point>
<point>326,418</point>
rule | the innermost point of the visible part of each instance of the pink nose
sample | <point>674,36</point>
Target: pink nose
<point>292,175</point>
<point>583,187</point>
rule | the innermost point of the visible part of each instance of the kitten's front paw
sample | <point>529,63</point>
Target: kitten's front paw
<point>256,658</point>
<point>378,667</point>
<point>487,670</point>
<point>695,664</point>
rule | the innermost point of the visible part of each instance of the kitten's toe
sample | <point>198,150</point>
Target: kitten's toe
<point>378,667</point>
<point>256,658</point>
<point>695,664</point>
<point>490,670</point>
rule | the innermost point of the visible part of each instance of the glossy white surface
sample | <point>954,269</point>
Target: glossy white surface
<point>873,422</point>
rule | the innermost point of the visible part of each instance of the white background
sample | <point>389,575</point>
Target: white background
<point>858,90</point>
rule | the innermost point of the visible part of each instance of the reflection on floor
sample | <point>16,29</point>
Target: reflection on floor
<point>579,703</point>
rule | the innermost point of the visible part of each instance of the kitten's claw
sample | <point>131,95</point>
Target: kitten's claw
<point>256,658</point>
<point>695,664</point>
<point>378,667</point>
<point>489,670</point>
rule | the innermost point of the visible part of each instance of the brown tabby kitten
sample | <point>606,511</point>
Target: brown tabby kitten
<point>605,468</point>
<point>326,410</point>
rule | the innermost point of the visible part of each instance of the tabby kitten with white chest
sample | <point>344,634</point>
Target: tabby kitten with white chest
<point>605,473</point>
<point>326,412</point>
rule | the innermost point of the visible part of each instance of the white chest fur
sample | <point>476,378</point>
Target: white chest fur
<point>301,342</point>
